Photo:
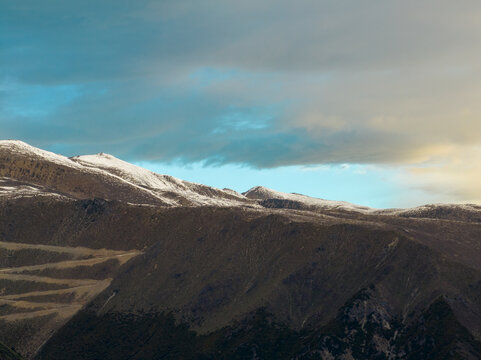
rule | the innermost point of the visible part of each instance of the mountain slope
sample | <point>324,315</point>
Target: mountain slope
<point>182,270</point>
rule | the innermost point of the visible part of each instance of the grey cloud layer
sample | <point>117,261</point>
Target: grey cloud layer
<point>266,83</point>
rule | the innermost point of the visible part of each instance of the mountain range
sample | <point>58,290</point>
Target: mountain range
<point>101,259</point>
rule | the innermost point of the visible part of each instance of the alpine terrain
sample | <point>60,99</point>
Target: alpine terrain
<point>101,259</point>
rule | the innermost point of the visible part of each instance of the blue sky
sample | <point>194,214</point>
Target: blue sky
<point>359,184</point>
<point>376,103</point>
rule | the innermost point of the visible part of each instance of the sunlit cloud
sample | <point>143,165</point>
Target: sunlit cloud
<point>450,177</point>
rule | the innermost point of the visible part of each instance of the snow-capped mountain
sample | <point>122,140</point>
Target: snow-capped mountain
<point>102,176</point>
<point>28,171</point>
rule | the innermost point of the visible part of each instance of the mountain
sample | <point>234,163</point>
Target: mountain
<point>101,176</point>
<point>274,199</point>
<point>102,259</point>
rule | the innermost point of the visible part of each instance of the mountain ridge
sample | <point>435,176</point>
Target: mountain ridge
<point>195,194</point>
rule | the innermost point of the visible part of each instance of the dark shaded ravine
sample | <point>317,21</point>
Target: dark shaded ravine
<point>362,328</point>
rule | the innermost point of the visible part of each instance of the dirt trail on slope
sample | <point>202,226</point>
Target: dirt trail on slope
<point>122,258</point>
<point>83,251</point>
<point>47,299</point>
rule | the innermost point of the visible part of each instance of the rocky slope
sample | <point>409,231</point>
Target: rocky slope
<point>102,259</point>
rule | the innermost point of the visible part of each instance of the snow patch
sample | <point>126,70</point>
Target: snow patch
<point>263,193</point>
<point>19,147</point>
<point>158,185</point>
<point>11,189</point>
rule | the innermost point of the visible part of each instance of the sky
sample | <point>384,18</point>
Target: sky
<point>373,102</point>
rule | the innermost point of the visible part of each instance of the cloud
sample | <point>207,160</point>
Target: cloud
<point>453,177</point>
<point>265,84</point>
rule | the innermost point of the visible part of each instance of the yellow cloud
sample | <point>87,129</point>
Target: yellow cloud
<point>454,175</point>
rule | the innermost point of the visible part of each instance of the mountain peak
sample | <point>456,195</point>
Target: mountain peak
<point>20,148</point>
<point>104,176</point>
<point>262,193</point>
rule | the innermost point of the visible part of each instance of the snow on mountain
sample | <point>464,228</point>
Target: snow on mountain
<point>263,193</point>
<point>152,182</point>
<point>438,211</point>
<point>115,172</point>
<point>21,148</point>
<point>13,189</point>
<point>126,171</point>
